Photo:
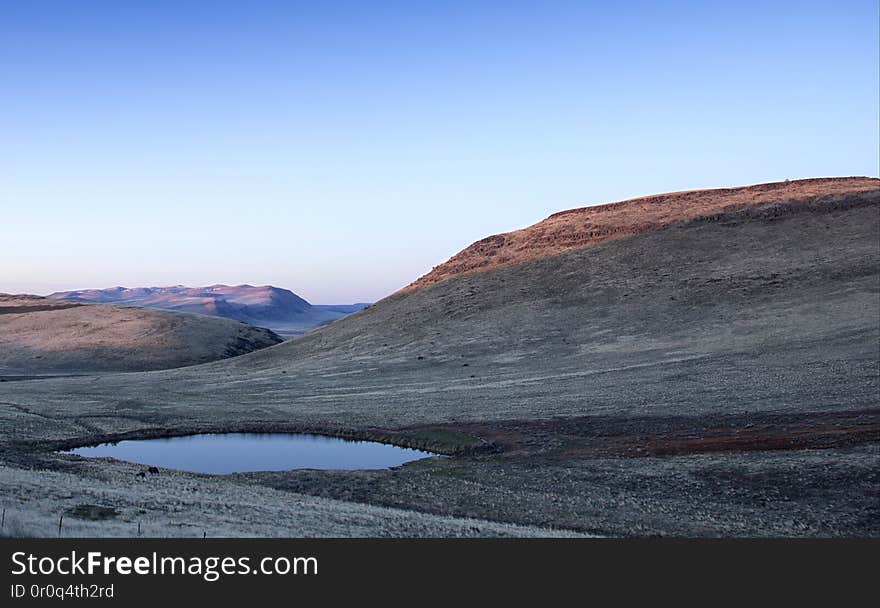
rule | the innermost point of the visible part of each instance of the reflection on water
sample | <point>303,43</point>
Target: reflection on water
<point>240,452</point>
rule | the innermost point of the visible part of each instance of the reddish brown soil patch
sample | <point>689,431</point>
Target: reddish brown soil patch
<point>677,435</point>
<point>795,437</point>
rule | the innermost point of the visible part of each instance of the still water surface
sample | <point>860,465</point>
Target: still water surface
<point>241,452</point>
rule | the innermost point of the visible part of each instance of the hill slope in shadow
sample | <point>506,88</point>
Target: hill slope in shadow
<point>40,336</point>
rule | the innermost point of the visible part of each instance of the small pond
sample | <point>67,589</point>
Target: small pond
<point>243,452</point>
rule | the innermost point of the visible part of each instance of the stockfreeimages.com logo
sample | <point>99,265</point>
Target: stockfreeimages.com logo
<point>209,568</point>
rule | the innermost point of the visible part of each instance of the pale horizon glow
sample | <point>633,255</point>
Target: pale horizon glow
<point>343,151</point>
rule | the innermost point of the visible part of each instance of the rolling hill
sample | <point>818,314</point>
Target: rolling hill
<point>41,336</point>
<point>586,226</point>
<point>277,309</point>
<point>712,373</point>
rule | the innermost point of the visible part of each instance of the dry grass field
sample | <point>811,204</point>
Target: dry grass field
<point>713,373</point>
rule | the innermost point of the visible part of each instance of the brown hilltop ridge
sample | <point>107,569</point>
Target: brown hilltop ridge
<point>587,226</point>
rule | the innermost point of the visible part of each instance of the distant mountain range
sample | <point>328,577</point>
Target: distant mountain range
<point>274,308</point>
<point>41,336</point>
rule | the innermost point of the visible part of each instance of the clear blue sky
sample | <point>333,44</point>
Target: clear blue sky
<point>342,149</point>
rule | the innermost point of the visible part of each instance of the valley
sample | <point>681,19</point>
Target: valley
<point>715,374</point>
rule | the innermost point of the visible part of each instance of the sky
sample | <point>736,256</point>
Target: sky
<point>343,149</point>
